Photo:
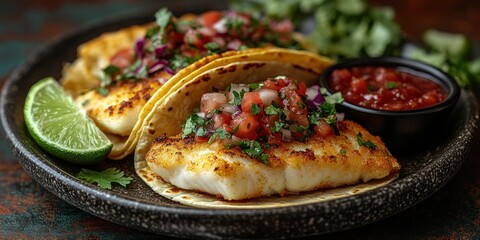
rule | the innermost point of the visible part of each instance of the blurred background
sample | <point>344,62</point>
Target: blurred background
<point>27,211</point>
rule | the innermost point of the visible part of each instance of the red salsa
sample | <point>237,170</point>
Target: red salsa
<point>386,88</point>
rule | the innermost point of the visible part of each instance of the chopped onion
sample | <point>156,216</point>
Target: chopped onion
<point>169,71</point>
<point>268,96</point>
<point>340,117</point>
<point>139,44</point>
<point>234,45</point>
<point>158,66</point>
<point>162,80</point>
<point>229,108</point>
<point>236,114</point>
<point>286,135</point>
<point>314,97</point>
<point>159,51</point>
<point>221,26</point>
<point>201,114</point>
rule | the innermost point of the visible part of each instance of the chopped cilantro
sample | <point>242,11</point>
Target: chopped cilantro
<point>371,88</point>
<point>237,97</point>
<point>254,86</point>
<point>334,98</point>
<point>103,91</point>
<point>254,149</point>
<point>220,132</point>
<point>255,109</point>
<point>277,127</point>
<point>273,110</point>
<point>212,47</point>
<point>106,77</point>
<point>192,123</point>
<point>368,144</point>
<point>343,151</point>
<point>391,85</point>
<point>105,178</point>
<point>162,18</point>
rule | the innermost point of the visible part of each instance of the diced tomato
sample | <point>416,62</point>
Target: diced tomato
<point>295,108</point>
<point>275,138</point>
<point>247,126</point>
<point>249,99</point>
<point>222,120</point>
<point>123,58</point>
<point>195,39</point>
<point>267,122</point>
<point>275,84</point>
<point>210,18</point>
<point>359,85</point>
<point>201,139</point>
<point>323,129</point>
<point>212,101</point>
<point>302,89</point>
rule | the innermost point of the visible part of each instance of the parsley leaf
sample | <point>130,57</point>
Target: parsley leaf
<point>105,178</point>
<point>368,143</point>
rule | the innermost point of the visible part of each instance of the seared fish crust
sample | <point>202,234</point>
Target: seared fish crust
<point>118,110</point>
<point>294,166</point>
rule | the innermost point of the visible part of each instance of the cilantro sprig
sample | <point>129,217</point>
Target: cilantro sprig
<point>362,142</point>
<point>105,178</point>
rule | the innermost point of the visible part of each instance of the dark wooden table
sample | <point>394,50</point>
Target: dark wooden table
<point>28,211</point>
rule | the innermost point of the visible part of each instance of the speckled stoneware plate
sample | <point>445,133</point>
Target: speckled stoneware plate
<point>137,206</point>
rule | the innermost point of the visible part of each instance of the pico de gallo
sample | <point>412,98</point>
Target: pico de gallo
<point>173,43</point>
<point>386,88</point>
<point>256,116</point>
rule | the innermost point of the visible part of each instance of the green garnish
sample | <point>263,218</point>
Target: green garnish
<point>237,97</point>
<point>105,178</point>
<point>343,151</point>
<point>254,149</point>
<point>277,127</point>
<point>255,109</point>
<point>220,132</point>
<point>255,86</point>
<point>192,123</point>
<point>368,144</point>
<point>391,85</point>
<point>273,110</point>
<point>212,47</point>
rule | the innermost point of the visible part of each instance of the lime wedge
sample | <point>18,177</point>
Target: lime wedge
<point>61,127</point>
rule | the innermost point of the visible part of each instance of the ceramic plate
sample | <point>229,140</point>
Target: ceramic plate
<point>137,206</point>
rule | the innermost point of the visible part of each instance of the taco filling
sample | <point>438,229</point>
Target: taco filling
<point>134,74</point>
<point>274,137</point>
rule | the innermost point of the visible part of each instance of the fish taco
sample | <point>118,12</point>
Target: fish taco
<point>118,76</point>
<point>253,131</point>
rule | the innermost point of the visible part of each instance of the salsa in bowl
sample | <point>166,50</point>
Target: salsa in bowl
<point>402,100</point>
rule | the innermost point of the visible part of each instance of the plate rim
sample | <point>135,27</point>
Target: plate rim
<point>34,164</point>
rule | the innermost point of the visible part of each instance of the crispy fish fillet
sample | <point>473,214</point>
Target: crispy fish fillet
<point>118,110</point>
<point>294,166</point>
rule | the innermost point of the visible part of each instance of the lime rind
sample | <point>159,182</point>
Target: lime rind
<point>62,128</point>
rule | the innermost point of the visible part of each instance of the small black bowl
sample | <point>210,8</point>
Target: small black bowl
<point>403,131</point>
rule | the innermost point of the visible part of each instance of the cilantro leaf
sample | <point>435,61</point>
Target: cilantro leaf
<point>237,97</point>
<point>193,122</point>
<point>255,109</point>
<point>334,98</point>
<point>220,132</point>
<point>105,178</point>
<point>273,110</point>
<point>368,144</point>
<point>391,85</point>
<point>162,18</point>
